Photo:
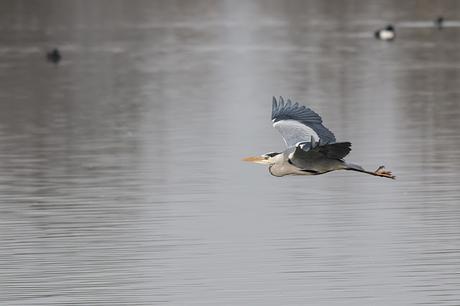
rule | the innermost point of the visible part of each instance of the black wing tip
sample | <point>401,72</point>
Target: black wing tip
<point>288,110</point>
<point>347,147</point>
<point>344,144</point>
<point>282,107</point>
<point>286,103</point>
<point>337,150</point>
<point>279,105</point>
<point>280,102</point>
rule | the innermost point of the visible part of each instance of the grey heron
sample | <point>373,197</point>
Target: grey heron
<point>311,148</point>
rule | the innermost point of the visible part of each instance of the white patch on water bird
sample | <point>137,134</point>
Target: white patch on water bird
<point>387,35</point>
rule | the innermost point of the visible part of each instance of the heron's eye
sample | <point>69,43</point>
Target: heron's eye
<point>271,154</point>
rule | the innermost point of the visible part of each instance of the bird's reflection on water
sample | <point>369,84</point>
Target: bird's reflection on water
<point>120,173</point>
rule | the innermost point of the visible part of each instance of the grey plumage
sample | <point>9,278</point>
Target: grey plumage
<point>311,148</point>
<point>299,123</point>
<point>332,151</point>
<point>318,160</point>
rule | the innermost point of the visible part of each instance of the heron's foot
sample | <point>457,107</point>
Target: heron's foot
<point>381,171</point>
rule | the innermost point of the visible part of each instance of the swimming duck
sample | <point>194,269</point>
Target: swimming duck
<point>387,33</point>
<point>439,22</point>
<point>54,56</point>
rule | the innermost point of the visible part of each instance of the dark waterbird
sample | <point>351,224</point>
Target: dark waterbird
<point>439,22</point>
<point>388,33</point>
<point>54,56</point>
<point>311,148</point>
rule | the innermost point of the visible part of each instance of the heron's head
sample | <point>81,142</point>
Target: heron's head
<point>264,159</point>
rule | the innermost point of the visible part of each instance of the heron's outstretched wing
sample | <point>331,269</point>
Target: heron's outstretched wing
<point>312,158</point>
<point>298,124</point>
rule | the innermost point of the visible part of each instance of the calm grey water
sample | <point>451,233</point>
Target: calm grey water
<point>120,174</point>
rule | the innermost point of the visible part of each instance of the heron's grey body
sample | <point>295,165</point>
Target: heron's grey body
<point>311,161</point>
<point>311,148</point>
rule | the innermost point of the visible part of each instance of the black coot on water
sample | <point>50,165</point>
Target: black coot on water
<point>54,56</point>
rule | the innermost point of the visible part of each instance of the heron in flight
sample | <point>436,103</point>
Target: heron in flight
<point>311,147</point>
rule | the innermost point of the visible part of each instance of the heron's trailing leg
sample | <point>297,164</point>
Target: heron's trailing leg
<point>381,171</point>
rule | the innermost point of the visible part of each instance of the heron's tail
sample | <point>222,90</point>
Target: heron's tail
<point>381,171</point>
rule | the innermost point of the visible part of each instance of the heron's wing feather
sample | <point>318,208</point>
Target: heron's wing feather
<point>307,159</point>
<point>336,150</point>
<point>299,124</point>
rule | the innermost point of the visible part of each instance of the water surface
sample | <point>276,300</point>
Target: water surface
<point>120,174</point>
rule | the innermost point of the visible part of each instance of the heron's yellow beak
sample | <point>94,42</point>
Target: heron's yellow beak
<point>256,159</point>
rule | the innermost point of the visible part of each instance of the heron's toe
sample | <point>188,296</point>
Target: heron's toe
<point>381,171</point>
